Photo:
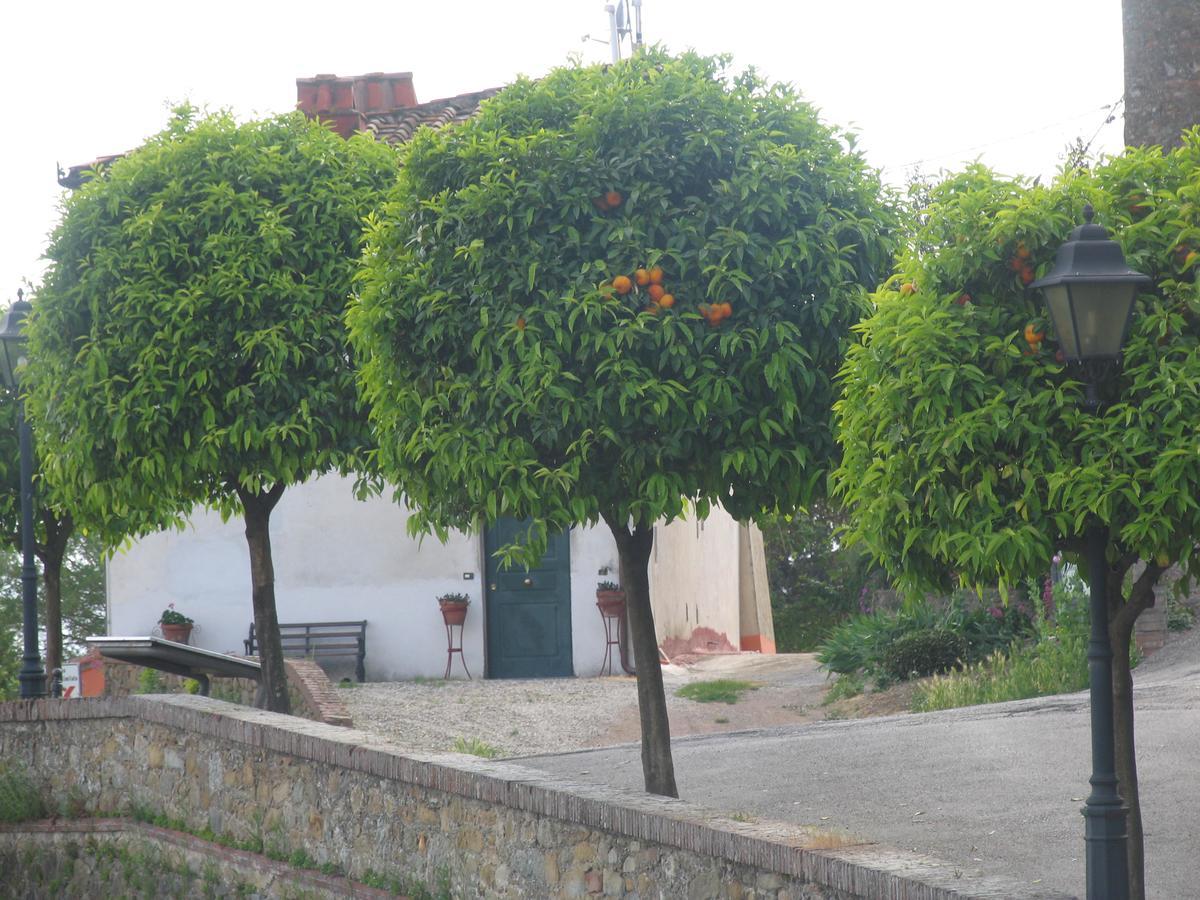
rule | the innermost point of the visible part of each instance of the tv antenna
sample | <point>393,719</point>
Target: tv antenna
<point>623,26</point>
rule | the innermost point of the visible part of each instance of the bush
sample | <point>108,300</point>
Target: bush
<point>922,653</point>
<point>858,644</point>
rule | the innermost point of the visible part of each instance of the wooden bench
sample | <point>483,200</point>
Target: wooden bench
<point>313,639</point>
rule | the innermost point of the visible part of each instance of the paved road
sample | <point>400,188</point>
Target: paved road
<point>995,788</point>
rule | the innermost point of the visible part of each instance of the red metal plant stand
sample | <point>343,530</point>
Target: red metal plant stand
<point>451,648</point>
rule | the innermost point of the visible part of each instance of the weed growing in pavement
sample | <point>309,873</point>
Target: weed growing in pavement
<point>722,690</point>
<point>475,747</point>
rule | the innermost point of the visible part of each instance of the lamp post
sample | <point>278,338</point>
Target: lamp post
<point>1090,293</point>
<point>32,677</point>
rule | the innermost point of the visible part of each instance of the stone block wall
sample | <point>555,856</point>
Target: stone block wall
<point>352,802</point>
<point>312,694</point>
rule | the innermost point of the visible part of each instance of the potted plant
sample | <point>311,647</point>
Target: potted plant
<point>610,598</point>
<point>175,626</point>
<point>454,607</point>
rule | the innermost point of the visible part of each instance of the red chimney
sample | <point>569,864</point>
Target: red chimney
<point>345,102</point>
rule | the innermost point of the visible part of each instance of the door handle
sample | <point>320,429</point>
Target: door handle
<point>492,586</point>
<point>528,582</point>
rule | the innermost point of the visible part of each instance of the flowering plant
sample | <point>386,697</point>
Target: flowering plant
<point>454,598</point>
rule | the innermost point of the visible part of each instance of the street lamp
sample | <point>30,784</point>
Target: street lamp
<point>1090,293</point>
<point>32,677</point>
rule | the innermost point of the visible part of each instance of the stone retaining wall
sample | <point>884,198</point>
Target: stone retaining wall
<point>120,858</point>
<point>351,801</point>
<point>312,694</point>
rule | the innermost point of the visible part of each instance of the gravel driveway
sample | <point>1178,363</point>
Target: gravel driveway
<point>526,717</point>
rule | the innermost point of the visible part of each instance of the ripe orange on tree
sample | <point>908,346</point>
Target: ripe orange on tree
<point>656,275</point>
<point>726,310</point>
<point>622,285</point>
<point>907,289</point>
<point>666,301</point>
<point>1027,274</point>
<point>1033,335</point>
<point>642,277</point>
<point>656,292</point>
<point>613,199</point>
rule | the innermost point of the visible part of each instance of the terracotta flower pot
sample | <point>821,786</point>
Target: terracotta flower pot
<point>611,603</point>
<point>454,612</point>
<point>177,633</point>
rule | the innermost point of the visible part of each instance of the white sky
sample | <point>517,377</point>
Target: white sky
<point>939,82</point>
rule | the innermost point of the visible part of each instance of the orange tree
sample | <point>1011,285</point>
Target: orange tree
<point>620,293</point>
<point>188,346</point>
<point>966,445</point>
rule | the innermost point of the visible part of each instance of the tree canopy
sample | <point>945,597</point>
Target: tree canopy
<point>507,372</point>
<point>188,337</point>
<point>967,446</point>
<point>618,292</point>
<point>188,345</point>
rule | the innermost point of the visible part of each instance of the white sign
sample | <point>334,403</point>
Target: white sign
<point>70,682</point>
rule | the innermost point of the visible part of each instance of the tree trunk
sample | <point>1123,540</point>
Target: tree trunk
<point>257,507</point>
<point>1126,757</point>
<point>58,531</point>
<point>1123,613</point>
<point>633,554</point>
<point>1162,70</point>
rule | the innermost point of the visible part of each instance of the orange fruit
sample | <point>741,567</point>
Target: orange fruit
<point>666,301</point>
<point>963,299</point>
<point>622,285</point>
<point>907,288</point>
<point>1026,274</point>
<point>726,310</point>
<point>656,292</point>
<point>642,277</point>
<point>1033,335</point>
<point>1022,251</point>
<point>656,275</point>
<point>520,323</point>
<point>613,199</point>
<point>653,308</point>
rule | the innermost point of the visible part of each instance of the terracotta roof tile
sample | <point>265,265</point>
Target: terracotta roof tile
<point>399,125</point>
<point>395,126</point>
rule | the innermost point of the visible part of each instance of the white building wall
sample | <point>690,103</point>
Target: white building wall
<point>694,582</point>
<point>337,558</point>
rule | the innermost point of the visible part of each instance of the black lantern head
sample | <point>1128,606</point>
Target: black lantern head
<point>1090,292</point>
<point>12,341</point>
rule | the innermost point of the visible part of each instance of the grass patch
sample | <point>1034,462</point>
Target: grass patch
<point>20,799</point>
<point>430,682</point>
<point>722,690</point>
<point>475,747</point>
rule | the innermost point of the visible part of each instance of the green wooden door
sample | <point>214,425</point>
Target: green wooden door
<point>528,612</point>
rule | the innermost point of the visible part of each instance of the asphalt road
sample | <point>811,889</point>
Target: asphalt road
<point>994,788</point>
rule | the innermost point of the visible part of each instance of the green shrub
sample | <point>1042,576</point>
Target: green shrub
<point>921,653</point>
<point>149,682</point>
<point>858,644</point>
<point>1055,665</point>
<point>1180,616</point>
